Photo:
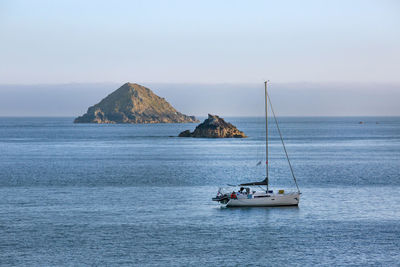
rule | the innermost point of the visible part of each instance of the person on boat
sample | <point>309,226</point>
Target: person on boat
<point>244,191</point>
<point>233,195</point>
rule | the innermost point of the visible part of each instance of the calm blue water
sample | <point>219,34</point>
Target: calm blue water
<point>135,195</point>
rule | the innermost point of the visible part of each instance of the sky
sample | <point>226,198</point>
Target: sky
<point>50,48</point>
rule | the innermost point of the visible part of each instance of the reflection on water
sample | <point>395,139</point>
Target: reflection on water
<point>132,195</point>
<point>178,225</point>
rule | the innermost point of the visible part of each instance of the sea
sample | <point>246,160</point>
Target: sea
<point>137,195</point>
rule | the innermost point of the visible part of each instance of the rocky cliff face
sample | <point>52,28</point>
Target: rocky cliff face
<point>214,127</point>
<point>133,103</point>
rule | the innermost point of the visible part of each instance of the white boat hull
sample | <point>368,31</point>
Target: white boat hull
<point>273,200</point>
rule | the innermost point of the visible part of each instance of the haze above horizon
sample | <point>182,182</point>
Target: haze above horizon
<point>290,99</point>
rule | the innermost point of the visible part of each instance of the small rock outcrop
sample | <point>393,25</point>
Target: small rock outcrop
<point>133,103</point>
<point>186,133</point>
<point>214,127</point>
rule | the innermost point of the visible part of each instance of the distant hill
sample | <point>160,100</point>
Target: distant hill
<point>133,103</point>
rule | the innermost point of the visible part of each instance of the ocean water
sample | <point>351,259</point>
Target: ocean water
<point>81,194</point>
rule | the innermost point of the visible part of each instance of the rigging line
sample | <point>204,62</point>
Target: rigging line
<point>266,135</point>
<point>283,143</point>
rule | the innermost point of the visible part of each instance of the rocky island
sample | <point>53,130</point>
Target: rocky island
<point>214,127</point>
<point>133,103</point>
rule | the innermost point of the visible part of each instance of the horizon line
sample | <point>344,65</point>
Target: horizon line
<point>226,116</point>
<point>201,83</point>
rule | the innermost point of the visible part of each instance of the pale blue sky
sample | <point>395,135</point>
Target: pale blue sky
<point>199,41</point>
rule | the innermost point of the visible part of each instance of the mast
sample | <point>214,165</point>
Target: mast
<point>266,180</point>
<point>266,134</point>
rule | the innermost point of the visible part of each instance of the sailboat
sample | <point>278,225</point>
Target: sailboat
<point>258,194</point>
